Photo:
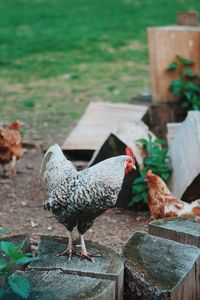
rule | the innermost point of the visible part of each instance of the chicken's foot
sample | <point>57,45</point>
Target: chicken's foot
<point>84,254</point>
<point>70,249</point>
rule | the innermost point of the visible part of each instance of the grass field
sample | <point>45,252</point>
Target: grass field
<point>58,55</point>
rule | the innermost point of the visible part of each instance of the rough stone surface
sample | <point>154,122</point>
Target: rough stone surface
<point>156,268</point>
<point>184,230</point>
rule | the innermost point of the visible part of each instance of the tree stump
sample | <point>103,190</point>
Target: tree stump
<point>183,229</point>
<point>57,278</point>
<point>156,268</point>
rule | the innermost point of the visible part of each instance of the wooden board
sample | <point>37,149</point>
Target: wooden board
<point>164,44</point>
<point>184,151</point>
<point>100,119</point>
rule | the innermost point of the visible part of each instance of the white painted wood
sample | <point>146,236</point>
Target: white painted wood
<point>184,151</point>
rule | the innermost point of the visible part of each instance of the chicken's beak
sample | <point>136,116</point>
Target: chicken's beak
<point>134,167</point>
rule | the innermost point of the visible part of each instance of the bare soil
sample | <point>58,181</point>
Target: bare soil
<point>21,202</point>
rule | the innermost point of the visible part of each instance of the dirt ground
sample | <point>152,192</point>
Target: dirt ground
<point>21,202</point>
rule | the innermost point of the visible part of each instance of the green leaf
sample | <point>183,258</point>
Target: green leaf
<point>3,263</point>
<point>11,250</point>
<point>172,66</point>
<point>137,198</point>
<point>25,260</point>
<point>20,285</point>
<point>1,292</point>
<point>138,180</point>
<point>184,61</point>
<point>139,187</point>
<point>189,73</point>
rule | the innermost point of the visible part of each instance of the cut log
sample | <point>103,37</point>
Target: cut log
<point>164,44</point>
<point>107,268</point>
<point>184,151</point>
<point>183,229</point>
<point>55,285</point>
<point>159,269</point>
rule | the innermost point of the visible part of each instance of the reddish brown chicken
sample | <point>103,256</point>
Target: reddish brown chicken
<point>162,204</point>
<point>10,146</point>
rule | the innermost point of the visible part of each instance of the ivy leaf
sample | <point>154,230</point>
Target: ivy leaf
<point>20,285</point>
<point>139,180</point>
<point>172,66</point>
<point>25,260</point>
<point>189,73</point>
<point>184,61</point>
<point>3,263</point>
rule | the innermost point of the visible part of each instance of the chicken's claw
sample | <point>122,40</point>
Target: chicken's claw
<point>88,256</point>
<point>68,251</point>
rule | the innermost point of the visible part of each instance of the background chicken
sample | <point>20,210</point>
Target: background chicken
<point>162,204</point>
<point>77,198</point>
<point>10,146</point>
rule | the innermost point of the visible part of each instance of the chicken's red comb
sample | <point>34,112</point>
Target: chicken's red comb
<point>129,152</point>
<point>149,173</point>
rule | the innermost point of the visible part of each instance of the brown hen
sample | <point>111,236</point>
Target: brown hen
<point>161,202</point>
<point>10,146</point>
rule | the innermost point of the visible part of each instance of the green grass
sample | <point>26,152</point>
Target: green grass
<point>58,55</point>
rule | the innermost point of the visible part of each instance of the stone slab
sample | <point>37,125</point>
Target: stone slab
<point>184,230</point>
<point>156,268</point>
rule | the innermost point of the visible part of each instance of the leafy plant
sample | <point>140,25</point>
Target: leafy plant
<point>13,258</point>
<point>187,86</point>
<point>156,159</point>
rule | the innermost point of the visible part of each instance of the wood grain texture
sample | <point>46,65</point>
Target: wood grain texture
<point>164,44</point>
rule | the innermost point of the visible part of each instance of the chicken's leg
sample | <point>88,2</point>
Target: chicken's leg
<point>70,249</point>
<point>84,254</point>
<point>13,166</point>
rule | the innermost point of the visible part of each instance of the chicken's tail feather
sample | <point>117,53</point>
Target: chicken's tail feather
<point>53,149</point>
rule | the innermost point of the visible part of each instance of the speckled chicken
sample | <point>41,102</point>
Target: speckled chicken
<point>10,146</point>
<point>76,198</point>
<point>161,202</point>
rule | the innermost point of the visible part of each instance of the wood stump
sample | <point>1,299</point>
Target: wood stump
<point>57,278</point>
<point>157,268</point>
<point>183,229</point>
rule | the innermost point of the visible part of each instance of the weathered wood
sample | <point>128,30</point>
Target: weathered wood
<point>55,285</point>
<point>109,267</point>
<point>162,113</point>
<point>164,44</point>
<point>187,19</point>
<point>99,120</point>
<point>184,151</point>
<point>57,278</point>
<point>183,229</point>
<point>156,268</point>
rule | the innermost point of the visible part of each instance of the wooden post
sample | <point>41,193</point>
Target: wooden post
<point>164,44</point>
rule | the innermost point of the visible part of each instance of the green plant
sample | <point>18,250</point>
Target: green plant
<point>12,257</point>
<point>187,86</point>
<point>156,159</point>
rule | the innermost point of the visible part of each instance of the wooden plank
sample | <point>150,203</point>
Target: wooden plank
<point>184,152</point>
<point>164,44</point>
<point>156,268</point>
<point>185,230</point>
<point>100,119</point>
